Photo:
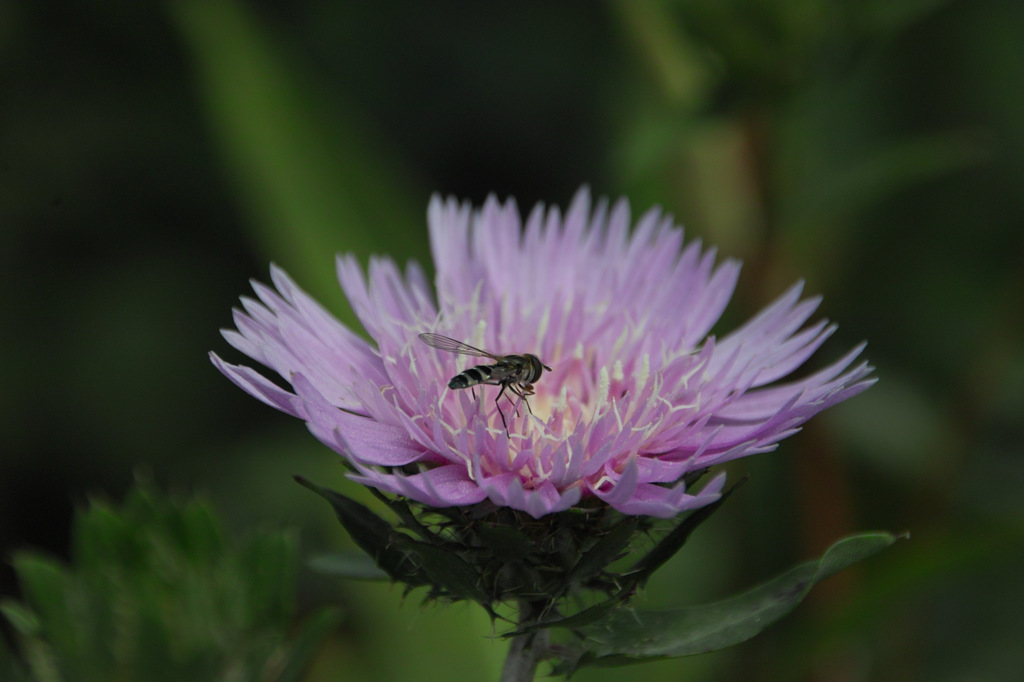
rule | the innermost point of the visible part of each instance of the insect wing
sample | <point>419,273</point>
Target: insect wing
<point>502,372</point>
<point>452,346</point>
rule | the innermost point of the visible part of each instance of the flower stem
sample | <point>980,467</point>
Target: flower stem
<point>526,650</point>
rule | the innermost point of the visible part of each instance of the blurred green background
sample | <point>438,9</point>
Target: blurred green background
<point>154,156</point>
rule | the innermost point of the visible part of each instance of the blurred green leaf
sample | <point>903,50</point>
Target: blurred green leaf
<point>314,175</point>
<point>10,669</point>
<point>21,618</point>
<point>901,430</point>
<point>885,172</point>
<point>633,636</point>
<point>347,565</point>
<point>156,592</point>
<point>98,536</point>
<point>683,74</point>
<point>46,589</point>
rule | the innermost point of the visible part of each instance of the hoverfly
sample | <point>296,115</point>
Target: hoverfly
<point>513,372</point>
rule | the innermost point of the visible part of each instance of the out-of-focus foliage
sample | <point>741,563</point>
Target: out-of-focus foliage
<point>301,168</point>
<point>153,156</point>
<point>155,591</point>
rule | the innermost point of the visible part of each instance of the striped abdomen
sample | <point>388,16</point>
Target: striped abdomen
<point>510,369</point>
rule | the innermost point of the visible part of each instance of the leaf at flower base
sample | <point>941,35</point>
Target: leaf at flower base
<point>589,615</point>
<point>605,551</point>
<point>505,543</point>
<point>374,535</point>
<point>627,636</point>
<point>674,541</point>
<point>406,516</point>
<point>353,565</point>
<point>448,570</point>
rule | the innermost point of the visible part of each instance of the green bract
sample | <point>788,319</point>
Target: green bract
<point>574,572</point>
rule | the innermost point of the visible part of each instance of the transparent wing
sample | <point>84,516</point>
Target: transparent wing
<point>452,346</point>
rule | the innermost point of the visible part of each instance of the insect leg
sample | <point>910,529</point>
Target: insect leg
<point>527,390</point>
<point>520,391</point>
<point>502,414</point>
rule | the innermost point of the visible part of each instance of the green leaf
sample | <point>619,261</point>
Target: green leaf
<point>505,543</point>
<point>99,534</point>
<point>606,550</point>
<point>405,514</point>
<point>674,541</point>
<point>200,533</point>
<point>449,571</point>
<point>269,573</point>
<point>46,587</point>
<point>23,620</point>
<point>10,667</point>
<point>155,592</point>
<point>374,535</point>
<point>589,615</point>
<point>347,565</point>
<point>629,637</point>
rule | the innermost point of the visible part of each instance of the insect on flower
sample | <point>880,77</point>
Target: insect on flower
<point>652,398</point>
<point>517,373</point>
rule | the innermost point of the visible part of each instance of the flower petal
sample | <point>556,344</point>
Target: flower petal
<point>364,439</point>
<point>661,502</point>
<point>253,383</point>
<point>443,486</point>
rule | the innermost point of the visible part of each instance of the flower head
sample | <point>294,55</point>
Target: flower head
<point>639,394</point>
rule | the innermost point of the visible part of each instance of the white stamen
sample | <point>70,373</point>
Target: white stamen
<point>617,373</point>
<point>683,382</point>
<point>620,342</point>
<point>603,384</point>
<point>478,337</point>
<point>562,401</point>
<point>644,373</point>
<point>542,326</point>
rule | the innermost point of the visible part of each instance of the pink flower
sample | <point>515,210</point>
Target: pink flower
<point>639,394</point>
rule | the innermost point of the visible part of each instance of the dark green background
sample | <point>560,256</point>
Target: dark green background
<point>154,156</point>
